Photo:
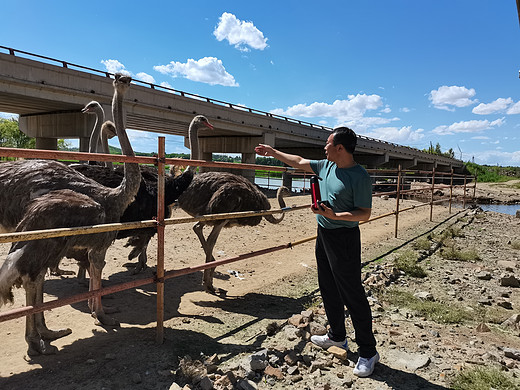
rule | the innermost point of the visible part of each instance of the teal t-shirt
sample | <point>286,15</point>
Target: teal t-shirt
<point>346,189</point>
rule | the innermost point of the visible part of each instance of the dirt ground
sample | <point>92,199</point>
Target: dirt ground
<point>260,290</point>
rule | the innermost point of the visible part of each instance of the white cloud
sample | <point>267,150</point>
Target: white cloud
<point>514,109</point>
<point>405,109</point>
<point>114,66</point>
<point>207,70</point>
<point>401,135</point>
<point>243,35</point>
<point>497,106</point>
<point>445,96</point>
<point>354,107</point>
<point>145,77</point>
<point>386,110</point>
<point>468,127</point>
<point>480,137</point>
<point>493,157</point>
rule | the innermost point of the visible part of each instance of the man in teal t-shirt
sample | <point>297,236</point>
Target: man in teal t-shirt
<point>346,187</point>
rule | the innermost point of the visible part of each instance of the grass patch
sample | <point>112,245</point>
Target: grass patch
<point>421,244</point>
<point>407,262</point>
<point>450,252</point>
<point>436,311</point>
<point>515,244</point>
<point>484,378</point>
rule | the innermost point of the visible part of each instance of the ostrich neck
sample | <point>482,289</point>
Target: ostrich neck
<point>193,139</point>
<point>94,136</point>
<point>273,219</point>
<point>132,177</point>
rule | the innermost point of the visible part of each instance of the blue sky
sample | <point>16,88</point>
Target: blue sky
<point>410,72</point>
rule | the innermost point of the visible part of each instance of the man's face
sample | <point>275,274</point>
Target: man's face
<point>331,150</point>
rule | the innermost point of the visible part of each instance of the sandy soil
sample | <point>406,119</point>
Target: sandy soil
<point>259,290</point>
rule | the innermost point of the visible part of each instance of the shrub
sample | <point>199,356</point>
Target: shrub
<point>407,262</point>
<point>484,378</point>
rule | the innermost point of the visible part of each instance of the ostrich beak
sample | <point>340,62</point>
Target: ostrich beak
<point>209,125</point>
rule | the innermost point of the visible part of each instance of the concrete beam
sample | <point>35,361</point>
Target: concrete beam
<point>57,125</point>
<point>371,161</point>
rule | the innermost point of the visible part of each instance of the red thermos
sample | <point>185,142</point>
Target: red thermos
<point>315,191</point>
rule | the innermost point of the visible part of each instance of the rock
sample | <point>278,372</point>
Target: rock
<point>506,305</point>
<point>274,372</point>
<point>407,361</point>
<point>206,384</point>
<point>291,358</point>
<point>483,328</point>
<point>175,386</point>
<point>307,315</point>
<point>483,275</point>
<point>518,213</point>
<point>271,328</point>
<point>291,332</point>
<point>509,281</point>
<point>317,329</point>
<point>296,378</point>
<point>512,322</point>
<point>292,370</point>
<point>512,353</point>
<point>295,320</point>
<point>136,378</point>
<point>246,384</point>
<point>319,365</point>
<point>340,353</point>
<point>424,295</point>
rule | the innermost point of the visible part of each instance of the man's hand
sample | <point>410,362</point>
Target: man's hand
<point>264,150</point>
<point>324,210</point>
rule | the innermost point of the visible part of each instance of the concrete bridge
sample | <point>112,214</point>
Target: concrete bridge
<point>48,95</point>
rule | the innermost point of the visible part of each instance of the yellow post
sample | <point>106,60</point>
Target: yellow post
<point>451,189</point>
<point>433,189</point>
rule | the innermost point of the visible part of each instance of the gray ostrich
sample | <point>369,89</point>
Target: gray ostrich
<point>41,194</point>
<point>222,192</point>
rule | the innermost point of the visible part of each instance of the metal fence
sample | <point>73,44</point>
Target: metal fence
<point>390,183</point>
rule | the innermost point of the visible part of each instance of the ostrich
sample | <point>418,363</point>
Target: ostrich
<point>144,207</point>
<point>41,194</point>
<point>222,192</point>
<point>102,131</point>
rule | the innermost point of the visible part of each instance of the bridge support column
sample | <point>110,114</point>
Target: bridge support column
<point>46,143</point>
<point>206,156</point>
<point>287,180</point>
<point>84,144</point>
<point>248,158</point>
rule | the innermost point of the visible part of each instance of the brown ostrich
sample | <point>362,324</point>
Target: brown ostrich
<point>41,194</point>
<point>144,207</point>
<point>222,192</point>
<point>102,131</point>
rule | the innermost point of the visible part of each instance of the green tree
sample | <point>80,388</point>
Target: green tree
<point>12,137</point>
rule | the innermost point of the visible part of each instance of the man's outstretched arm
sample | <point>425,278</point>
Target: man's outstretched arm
<point>292,160</point>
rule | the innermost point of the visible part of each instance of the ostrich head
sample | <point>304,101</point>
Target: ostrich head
<point>108,128</point>
<point>200,121</point>
<point>121,83</point>
<point>92,108</point>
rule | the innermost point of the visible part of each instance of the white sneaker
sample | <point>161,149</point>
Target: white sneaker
<point>325,342</point>
<point>365,367</point>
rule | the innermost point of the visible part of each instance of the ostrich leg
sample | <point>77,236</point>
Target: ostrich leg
<point>96,307</point>
<point>37,346</point>
<point>208,245</point>
<point>39,319</point>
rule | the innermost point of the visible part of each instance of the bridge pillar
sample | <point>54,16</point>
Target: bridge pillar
<point>47,143</point>
<point>48,128</point>
<point>248,158</point>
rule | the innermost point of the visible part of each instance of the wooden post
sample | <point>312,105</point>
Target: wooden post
<point>451,188</point>
<point>160,241</point>
<point>464,194</point>
<point>433,189</point>
<point>397,196</point>
<point>474,188</point>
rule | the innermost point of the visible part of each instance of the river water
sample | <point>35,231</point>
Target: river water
<point>501,208</point>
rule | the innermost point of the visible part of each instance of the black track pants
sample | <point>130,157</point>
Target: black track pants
<point>338,256</point>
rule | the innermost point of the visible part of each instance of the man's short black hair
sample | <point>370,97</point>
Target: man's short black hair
<point>346,137</point>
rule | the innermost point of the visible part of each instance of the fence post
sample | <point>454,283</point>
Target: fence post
<point>160,241</point>
<point>433,189</point>
<point>464,194</point>
<point>451,188</point>
<point>397,196</point>
<point>474,188</point>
